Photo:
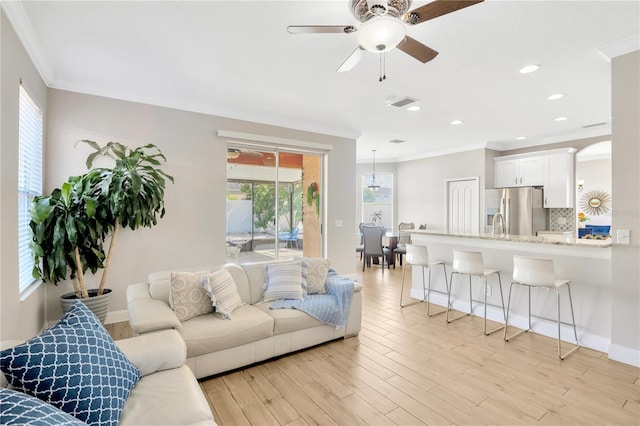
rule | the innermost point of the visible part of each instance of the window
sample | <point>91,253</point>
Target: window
<point>29,180</point>
<point>377,204</point>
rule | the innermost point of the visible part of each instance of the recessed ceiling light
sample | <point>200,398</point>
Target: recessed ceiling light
<point>521,138</point>
<point>414,108</point>
<point>556,96</point>
<point>561,118</point>
<point>456,122</point>
<point>529,68</point>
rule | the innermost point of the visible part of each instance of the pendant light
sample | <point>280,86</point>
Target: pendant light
<point>374,185</point>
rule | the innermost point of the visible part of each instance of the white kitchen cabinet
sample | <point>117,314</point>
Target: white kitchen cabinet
<point>519,170</point>
<point>559,190</point>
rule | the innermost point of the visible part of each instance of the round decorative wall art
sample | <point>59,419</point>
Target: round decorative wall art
<point>596,202</point>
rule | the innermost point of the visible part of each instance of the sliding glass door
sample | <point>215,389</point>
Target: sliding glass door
<point>268,207</point>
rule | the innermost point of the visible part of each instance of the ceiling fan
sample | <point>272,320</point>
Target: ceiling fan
<point>384,25</point>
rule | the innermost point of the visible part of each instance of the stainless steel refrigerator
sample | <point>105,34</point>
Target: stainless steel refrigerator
<point>521,208</point>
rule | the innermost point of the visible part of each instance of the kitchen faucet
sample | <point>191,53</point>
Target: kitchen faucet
<point>496,218</point>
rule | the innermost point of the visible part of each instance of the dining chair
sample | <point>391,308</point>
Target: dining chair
<point>360,248</point>
<point>404,238</point>
<point>372,236</point>
<point>540,273</point>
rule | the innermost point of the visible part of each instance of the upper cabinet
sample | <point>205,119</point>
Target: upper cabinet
<point>551,169</point>
<point>520,170</point>
<point>559,190</point>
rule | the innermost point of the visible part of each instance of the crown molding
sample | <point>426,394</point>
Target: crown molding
<point>18,17</point>
<point>620,47</point>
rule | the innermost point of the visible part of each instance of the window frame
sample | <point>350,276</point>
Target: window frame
<point>30,183</point>
<point>386,182</point>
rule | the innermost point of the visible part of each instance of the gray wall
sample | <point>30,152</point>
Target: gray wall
<point>422,190</point>
<point>625,157</point>
<point>192,233</point>
<point>19,319</point>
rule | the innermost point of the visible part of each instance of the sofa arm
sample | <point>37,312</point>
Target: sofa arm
<point>155,352</point>
<point>147,314</point>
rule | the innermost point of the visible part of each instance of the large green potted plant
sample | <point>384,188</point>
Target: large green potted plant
<point>70,226</point>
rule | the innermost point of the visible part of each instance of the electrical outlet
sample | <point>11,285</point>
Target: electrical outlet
<point>562,221</point>
<point>624,236</point>
<point>339,223</point>
<point>488,289</point>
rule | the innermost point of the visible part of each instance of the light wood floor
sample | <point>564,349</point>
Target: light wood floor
<point>407,369</point>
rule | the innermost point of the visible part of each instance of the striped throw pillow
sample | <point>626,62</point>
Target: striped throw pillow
<point>222,290</point>
<point>284,281</point>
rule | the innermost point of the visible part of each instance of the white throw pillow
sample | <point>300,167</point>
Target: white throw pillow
<point>187,298</point>
<point>284,281</point>
<point>314,272</point>
<point>223,292</point>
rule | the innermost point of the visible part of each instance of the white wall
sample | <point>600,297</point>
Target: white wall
<point>192,233</point>
<point>625,157</point>
<point>18,319</point>
<point>597,177</point>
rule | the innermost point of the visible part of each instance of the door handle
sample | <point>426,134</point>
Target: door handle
<point>545,201</point>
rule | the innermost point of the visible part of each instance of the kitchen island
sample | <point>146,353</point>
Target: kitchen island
<point>587,263</point>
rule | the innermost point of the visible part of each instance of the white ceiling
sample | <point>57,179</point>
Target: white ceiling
<point>236,59</point>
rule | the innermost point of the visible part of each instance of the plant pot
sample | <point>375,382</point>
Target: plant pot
<point>99,305</point>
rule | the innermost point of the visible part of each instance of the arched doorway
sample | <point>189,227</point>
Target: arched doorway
<point>593,190</point>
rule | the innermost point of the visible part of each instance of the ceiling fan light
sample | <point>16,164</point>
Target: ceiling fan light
<point>381,33</point>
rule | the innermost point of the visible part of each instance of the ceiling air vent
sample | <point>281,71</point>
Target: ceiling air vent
<point>594,125</point>
<point>402,102</point>
<point>396,141</point>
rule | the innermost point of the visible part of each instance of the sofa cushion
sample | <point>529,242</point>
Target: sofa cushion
<point>21,409</point>
<point>74,365</point>
<point>221,287</point>
<point>289,320</point>
<point>284,281</point>
<point>314,274</point>
<point>209,333</point>
<point>160,282</point>
<point>187,298</point>
<point>256,276</point>
<point>169,397</point>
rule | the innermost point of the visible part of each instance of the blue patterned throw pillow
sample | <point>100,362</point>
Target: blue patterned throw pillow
<point>75,366</point>
<point>21,409</point>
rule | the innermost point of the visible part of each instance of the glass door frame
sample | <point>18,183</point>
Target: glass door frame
<point>276,150</point>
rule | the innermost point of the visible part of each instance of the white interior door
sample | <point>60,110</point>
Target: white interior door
<point>463,206</point>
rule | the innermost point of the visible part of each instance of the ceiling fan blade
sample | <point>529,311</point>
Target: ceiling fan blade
<point>321,29</point>
<point>351,61</point>
<point>414,48</point>
<point>437,8</point>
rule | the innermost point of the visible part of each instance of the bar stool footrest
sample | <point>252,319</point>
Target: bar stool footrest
<point>506,339</point>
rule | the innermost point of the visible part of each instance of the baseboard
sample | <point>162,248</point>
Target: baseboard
<point>624,354</point>
<point>546,328</point>
<point>117,316</point>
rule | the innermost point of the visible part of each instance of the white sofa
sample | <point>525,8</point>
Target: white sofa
<point>255,332</point>
<point>167,392</point>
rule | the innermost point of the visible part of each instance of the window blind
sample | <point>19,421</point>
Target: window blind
<point>29,180</point>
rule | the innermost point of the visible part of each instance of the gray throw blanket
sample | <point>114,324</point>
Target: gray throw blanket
<point>331,308</point>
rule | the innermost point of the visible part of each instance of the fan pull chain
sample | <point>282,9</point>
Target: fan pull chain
<point>383,66</point>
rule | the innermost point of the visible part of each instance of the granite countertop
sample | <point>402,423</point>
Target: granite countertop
<point>546,239</point>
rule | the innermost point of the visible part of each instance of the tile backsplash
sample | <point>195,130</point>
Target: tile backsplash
<point>562,220</point>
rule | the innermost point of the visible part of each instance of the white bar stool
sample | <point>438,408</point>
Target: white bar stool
<point>539,273</point>
<point>419,256</point>
<point>471,263</point>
